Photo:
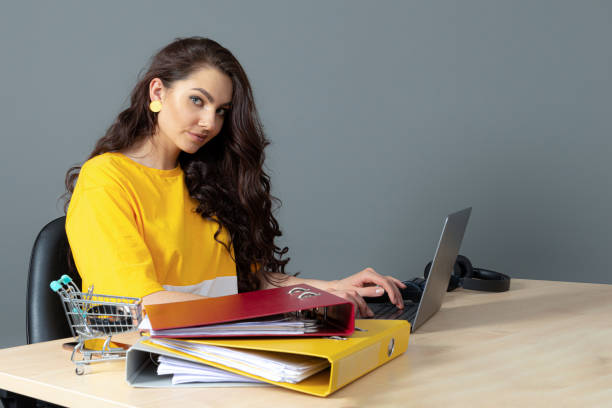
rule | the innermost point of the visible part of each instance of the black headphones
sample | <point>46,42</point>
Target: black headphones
<point>466,276</point>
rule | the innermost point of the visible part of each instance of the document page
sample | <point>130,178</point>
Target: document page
<point>184,371</point>
<point>277,325</point>
<point>281,367</point>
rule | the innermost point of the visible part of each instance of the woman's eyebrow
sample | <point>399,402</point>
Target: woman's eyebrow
<point>209,96</point>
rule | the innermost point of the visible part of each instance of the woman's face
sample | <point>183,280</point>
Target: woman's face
<point>193,109</point>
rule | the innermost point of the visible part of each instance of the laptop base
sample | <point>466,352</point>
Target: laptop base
<point>389,311</point>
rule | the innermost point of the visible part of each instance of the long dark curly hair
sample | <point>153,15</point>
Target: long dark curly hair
<point>226,176</point>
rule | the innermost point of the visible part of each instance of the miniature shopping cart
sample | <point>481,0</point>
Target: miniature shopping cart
<point>96,317</point>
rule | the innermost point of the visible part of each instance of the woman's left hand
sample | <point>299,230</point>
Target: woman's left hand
<point>368,283</point>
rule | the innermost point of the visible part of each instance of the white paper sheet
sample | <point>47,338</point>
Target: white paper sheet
<point>275,325</point>
<point>184,371</point>
<point>281,367</point>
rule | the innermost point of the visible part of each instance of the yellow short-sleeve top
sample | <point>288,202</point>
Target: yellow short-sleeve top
<point>133,231</point>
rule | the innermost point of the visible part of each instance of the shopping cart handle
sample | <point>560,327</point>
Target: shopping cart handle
<point>65,279</point>
<point>55,286</point>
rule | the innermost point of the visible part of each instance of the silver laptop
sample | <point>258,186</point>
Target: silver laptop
<point>437,281</point>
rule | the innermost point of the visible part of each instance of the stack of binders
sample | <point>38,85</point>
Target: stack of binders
<point>296,337</point>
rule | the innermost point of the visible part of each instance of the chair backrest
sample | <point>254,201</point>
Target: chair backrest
<point>45,317</point>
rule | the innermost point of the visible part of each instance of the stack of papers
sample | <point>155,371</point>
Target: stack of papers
<point>278,325</point>
<point>279,367</point>
<point>184,371</point>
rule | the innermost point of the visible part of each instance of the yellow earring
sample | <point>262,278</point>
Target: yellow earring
<point>155,106</point>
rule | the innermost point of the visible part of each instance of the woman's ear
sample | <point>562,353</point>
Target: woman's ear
<point>156,90</point>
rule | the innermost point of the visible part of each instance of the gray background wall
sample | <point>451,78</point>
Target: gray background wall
<point>384,118</point>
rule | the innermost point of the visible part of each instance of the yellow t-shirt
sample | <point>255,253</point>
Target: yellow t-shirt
<point>133,231</point>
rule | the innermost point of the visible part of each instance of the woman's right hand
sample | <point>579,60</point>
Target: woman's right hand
<point>361,307</point>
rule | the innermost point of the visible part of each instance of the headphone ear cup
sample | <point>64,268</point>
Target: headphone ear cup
<point>463,267</point>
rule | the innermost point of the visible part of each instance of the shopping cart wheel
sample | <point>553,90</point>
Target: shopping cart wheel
<point>79,370</point>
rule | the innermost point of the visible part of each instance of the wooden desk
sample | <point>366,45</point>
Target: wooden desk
<point>541,344</point>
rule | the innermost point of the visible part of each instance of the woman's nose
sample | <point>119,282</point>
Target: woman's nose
<point>207,118</point>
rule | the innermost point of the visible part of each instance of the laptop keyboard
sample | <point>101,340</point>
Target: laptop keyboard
<point>390,312</point>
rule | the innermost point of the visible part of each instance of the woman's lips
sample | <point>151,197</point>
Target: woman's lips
<point>198,137</point>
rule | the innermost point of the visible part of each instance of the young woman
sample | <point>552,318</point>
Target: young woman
<point>173,202</point>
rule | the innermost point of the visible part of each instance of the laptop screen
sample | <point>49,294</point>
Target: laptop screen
<point>442,265</point>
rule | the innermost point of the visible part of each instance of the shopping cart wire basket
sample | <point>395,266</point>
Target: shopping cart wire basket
<point>93,316</point>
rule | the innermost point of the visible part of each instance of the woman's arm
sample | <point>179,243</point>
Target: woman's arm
<point>353,288</point>
<point>367,282</point>
<point>168,296</point>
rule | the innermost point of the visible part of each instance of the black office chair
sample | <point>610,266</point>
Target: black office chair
<point>45,318</point>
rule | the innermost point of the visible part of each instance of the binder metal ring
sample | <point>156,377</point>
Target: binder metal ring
<point>292,291</point>
<point>391,347</point>
<point>304,292</point>
<point>307,294</point>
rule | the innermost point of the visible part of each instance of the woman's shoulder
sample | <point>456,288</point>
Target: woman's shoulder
<point>108,160</point>
<point>106,168</point>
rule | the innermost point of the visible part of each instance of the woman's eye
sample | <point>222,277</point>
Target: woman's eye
<point>196,100</point>
<point>222,111</point>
